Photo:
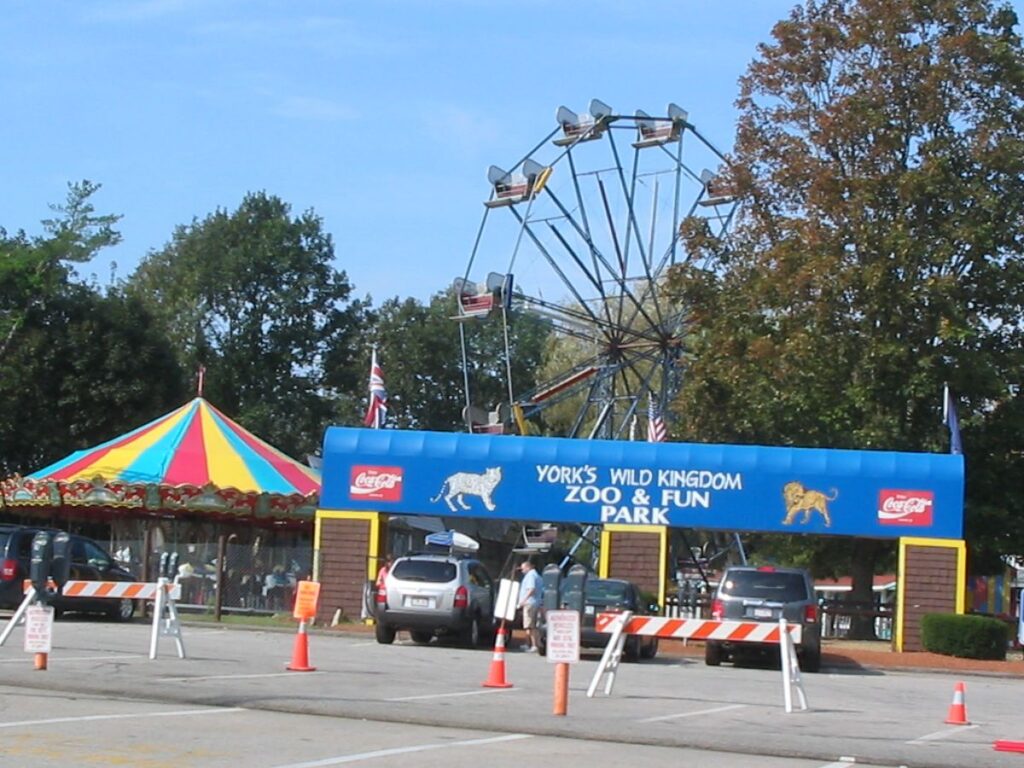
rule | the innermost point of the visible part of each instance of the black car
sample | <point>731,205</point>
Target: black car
<point>89,562</point>
<point>767,593</point>
<point>613,596</point>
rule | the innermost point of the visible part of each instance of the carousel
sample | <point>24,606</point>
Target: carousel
<point>192,481</point>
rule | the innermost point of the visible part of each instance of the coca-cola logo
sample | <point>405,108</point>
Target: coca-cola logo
<point>375,483</point>
<point>905,507</point>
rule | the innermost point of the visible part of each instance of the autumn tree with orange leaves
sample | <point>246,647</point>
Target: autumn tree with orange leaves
<point>880,161</point>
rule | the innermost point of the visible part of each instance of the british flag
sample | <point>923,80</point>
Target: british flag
<point>377,411</point>
<point>655,423</point>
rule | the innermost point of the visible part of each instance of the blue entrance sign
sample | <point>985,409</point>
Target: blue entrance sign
<point>731,487</point>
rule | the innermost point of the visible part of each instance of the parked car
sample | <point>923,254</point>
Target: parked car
<point>767,594</point>
<point>89,562</point>
<point>612,596</point>
<point>448,596</point>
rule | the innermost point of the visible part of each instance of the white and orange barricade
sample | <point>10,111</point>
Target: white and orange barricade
<point>163,593</point>
<point>621,625</point>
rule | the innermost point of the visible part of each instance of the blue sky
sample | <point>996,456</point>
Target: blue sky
<point>382,117</point>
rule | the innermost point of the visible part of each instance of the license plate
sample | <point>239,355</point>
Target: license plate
<point>419,602</point>
<point>762,613</point>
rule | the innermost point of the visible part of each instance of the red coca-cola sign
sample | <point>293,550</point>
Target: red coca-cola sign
<point>905,507</point>
<point>375,483</point>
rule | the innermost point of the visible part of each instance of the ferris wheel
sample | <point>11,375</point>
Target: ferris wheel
<point>581,232</point>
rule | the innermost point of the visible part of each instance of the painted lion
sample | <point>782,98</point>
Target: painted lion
<point>799,499</point>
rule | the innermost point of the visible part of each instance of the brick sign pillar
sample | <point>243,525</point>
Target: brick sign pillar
<point>347,552</point>
<point>638,553</point>
<point>932,579</point>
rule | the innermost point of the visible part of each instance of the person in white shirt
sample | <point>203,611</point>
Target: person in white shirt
<point>529,600</point>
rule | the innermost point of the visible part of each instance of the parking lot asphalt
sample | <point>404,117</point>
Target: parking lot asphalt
<point>875,715</point>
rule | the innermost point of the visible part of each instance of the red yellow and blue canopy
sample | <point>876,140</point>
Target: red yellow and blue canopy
<point>194,458</point>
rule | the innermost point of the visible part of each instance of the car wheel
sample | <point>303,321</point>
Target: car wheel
<point>124,610</point>
<point>631,651</point>
<point>385,634</point>
<point>712,654</point>
<point>810,661</point>
<point>472,636</point>
<point>649,651</point>
<point>421,638</point>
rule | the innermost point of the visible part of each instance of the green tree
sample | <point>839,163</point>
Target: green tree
<point>84,369</point>
<point>253,297</point>
<point>419,349</point>
<point>879,157</point>
<point>34,270</point>
<point>78,367</point>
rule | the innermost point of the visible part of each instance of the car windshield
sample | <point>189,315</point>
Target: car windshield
<point>605,592</point>
<point>4,536</point>
<point>433,571</point>
<point>766,585</point>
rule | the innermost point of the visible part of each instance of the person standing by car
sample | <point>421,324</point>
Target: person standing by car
<point>383,572</point>
<point>529,601</point>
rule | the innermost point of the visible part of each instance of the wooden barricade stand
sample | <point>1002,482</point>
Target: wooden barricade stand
<point>621,625</point>
<point>163,593</point>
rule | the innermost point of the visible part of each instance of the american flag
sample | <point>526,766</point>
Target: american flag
<point>655,423</point>
<point>378,409</point>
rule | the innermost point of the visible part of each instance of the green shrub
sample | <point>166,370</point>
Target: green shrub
<point>965,636</point>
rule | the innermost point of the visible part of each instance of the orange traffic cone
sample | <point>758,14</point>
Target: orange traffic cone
<point>1008,746</point>
<point>496,677</point>
<point>958,710</point>
<point>300,651</point>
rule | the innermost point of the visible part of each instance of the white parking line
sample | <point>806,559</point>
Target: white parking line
<point>698,712</point>
<point>451,695</point>
<point>841,764</point>
<point>125,716</point>
<point>404,751</point>
<point>62,659</point>
<point>232,677</point>
<point>941,734</point>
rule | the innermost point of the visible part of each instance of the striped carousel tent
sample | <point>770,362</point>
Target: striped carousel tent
<point>193,460</point>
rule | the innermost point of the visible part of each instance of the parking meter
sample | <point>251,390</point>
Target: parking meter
<point>168,565</point>
<point>60,568</point>
<point>573,586</point>
<point>552,579</point>
<point>39,565</point>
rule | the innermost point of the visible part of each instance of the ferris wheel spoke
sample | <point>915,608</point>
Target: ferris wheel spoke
<point>591,278</point>
<point>582,323</point>
<point>622,285</point>
<point>556,268</point>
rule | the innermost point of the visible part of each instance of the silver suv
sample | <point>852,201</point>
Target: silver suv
<point>442,595</point>
<point>767,594</point>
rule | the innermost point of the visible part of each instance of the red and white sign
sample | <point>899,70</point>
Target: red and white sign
<point>905,507</point>
<point>375,483</point>
<point>39,629</point>
<point>563,636</point>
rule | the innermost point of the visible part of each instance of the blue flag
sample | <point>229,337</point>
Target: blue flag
<point>949,418</point>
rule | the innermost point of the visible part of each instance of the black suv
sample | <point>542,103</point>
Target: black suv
<point>443,595</point>
<point>89,562</point>
<point>766,593</point>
